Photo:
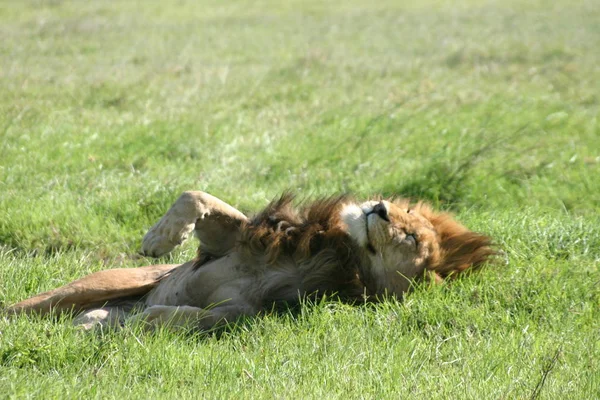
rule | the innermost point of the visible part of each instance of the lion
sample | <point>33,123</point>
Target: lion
<point>357,251</point>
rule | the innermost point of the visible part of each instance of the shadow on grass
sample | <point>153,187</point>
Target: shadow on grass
<point>443,180</point>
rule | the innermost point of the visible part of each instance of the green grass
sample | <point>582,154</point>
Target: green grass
<point>109,110</point>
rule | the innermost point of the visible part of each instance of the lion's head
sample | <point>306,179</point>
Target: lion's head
<point>404,242</point>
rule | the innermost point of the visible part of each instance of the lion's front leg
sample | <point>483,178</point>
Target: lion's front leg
<point>191,317</point>
<point>215,223</point>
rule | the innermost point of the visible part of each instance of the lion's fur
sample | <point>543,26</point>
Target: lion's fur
<point>288,251</point>
<point>461,249</point>
<point>312,238</point>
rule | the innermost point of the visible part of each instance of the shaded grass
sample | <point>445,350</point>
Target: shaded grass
<point>489,109</point>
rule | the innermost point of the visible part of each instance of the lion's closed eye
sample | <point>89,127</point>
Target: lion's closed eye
<point>411,240</point>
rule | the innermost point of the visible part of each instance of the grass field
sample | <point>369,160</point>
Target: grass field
<point>109,110</point>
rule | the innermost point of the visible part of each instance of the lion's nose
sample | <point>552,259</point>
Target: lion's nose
<point>381,210</point>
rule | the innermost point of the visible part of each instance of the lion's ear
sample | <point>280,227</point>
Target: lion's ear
<point>460,248</point>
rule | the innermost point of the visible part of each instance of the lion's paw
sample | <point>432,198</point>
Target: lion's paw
<point>165,236</point>
<point>101,317</point>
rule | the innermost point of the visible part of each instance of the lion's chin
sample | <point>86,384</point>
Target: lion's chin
<point>355,220</point>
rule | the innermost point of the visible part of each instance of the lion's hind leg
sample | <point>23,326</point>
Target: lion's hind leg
<point>94,290</point>
<point>215,223</point>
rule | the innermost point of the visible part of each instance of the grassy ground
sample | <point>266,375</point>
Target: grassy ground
<point>488,108</point>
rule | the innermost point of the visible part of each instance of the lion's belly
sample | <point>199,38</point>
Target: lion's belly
<point>217,282</point>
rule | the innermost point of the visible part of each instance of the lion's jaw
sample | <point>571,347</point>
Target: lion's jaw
<point>397,243</point>
<point>355,219</point>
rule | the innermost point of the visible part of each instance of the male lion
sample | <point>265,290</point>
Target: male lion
<point>335,245</point>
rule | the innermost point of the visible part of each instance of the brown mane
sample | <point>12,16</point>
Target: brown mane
<point>460,248</point>
<point>311,237</point>
<point>284,230</point>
